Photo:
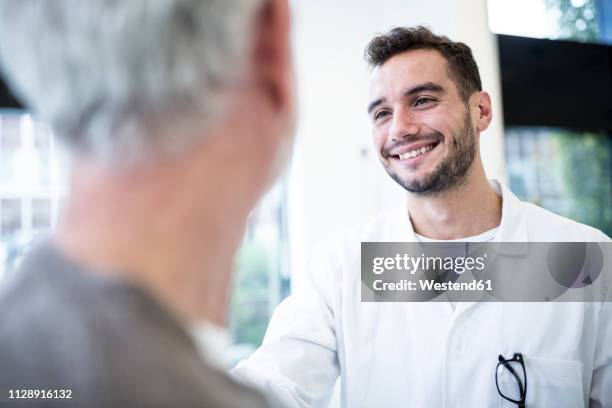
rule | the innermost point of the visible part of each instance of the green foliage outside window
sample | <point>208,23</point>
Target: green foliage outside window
<point>257,265</point>
<point>577,19</point>
<point>587,173</point>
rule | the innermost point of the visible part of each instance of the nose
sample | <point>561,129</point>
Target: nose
<point>404,125</point>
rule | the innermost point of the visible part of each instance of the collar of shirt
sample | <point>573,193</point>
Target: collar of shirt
<point>483,237</point>
<point>513,227</point>
<point>213,343</point>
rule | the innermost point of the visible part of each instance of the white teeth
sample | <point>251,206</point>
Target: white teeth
<point>415,152</point>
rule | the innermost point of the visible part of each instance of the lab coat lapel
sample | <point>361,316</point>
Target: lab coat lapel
<point>513,228</point>
<point>405,233</point>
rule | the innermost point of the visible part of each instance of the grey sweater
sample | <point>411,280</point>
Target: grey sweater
<point>107,341</point>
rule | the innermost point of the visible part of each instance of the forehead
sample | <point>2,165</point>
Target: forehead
<point>408,69</point>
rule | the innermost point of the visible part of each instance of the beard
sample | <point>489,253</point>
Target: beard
<point>452,171</point>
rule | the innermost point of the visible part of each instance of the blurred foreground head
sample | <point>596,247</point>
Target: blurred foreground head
<point>126,81</point>
<point>178,114</point>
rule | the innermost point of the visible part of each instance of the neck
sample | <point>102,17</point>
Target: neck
<point>467,210</point>
<point>165,227</point>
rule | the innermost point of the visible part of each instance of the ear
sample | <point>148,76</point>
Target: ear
<point>272,52</point>
<point>485,113</point>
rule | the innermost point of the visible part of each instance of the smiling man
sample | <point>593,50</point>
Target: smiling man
<point>428,110</point>
<point>423,175</point>
<point>442,168</point>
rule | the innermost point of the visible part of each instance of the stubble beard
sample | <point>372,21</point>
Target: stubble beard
<point>452,172</point>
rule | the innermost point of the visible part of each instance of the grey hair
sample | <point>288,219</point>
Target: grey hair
<point>117,77</point>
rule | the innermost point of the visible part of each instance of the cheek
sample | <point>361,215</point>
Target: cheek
<point>378,141</point>
<point>439,119</point>
<point>379,137</point>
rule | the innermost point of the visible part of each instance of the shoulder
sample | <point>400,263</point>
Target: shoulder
<point>544,225</point>
<point>137,335</point>
<point>385,226</point>
<point>524,221</point>
<point>340,254</point>
<point>108,342</point>
<point>44,340</point>
<point>347,243</point>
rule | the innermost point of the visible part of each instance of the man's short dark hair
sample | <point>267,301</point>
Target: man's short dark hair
<point>462,66</point>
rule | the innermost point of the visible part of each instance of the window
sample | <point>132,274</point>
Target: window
<point>31,184</point>
<point>11,216</point>
<point>550,160</point>
<point>262,275</point>
<point>564,171</point>
<point>580,20</point>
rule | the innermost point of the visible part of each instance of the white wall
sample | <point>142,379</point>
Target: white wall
<point>336,180</point>
<point>472,28</point>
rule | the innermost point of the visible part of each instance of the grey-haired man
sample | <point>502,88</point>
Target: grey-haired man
<point>179,115</point>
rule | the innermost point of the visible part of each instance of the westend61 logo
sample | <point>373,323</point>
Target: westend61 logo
<point>507,272</point>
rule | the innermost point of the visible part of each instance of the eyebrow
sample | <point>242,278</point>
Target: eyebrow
<point>427,86</point>
<point>374,104</point>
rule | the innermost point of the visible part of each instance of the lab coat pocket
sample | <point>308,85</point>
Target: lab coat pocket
<point>550,383</point>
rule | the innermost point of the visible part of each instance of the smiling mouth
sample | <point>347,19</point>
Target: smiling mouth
<point>416,152</point>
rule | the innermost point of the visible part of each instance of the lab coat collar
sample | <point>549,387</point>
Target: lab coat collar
<point>513,227</point>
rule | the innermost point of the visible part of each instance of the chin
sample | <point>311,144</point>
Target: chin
<point>414,176</point>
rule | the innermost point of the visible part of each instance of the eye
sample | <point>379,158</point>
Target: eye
<point>381,114</point>
<point>423,100</point>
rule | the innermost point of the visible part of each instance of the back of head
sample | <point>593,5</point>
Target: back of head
<point>116,76</point>
<point>122,80</point>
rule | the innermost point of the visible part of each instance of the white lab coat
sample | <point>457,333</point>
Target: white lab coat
<point>427,354</point>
